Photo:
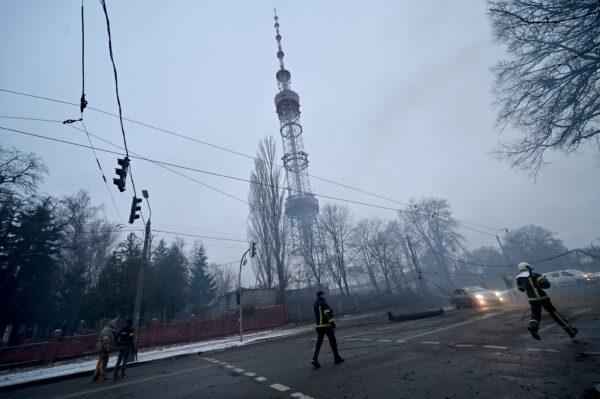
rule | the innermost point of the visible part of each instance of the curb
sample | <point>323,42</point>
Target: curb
<point>77,374</point>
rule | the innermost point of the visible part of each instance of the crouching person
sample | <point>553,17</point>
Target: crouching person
<point>126,349</point>
<point>105,343</point>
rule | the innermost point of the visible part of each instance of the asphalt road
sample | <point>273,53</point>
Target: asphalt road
<point>484,353</point>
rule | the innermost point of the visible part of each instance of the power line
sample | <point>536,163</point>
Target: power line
<point>236,153</point>
<point>200,236</point>
<point>225,176</point>
<point>101,171</point>
<point>170,170</point>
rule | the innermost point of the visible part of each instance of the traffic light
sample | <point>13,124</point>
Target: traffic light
<point>252,249</point>
<point>122,173</point>
<point>135,208</point>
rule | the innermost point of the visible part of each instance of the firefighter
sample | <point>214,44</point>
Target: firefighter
<point>533,285</point>
<point>324,326</point>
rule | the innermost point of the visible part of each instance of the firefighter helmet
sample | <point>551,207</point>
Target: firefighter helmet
<point>524,266</point>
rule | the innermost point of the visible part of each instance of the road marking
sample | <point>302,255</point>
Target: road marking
<point>238,370</point>
<point>380,329</point>
<point>542,350</point>
<point>401,341</point>
<point>229,366</point>
<point>279,387</point>
<point>249,374</point>
<point>384,340</point>
<point>261,379</point>
<point>132,382</point>
<point>504,348</point>
<point>430,342</point>
<point>464,345</point>
<point>363,339</point>
<point>460,323</point>
<point>300,395</point>
<point>591,353</point>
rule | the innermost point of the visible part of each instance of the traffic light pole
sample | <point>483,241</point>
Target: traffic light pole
<point>140,286</point>
<point>240,295</point>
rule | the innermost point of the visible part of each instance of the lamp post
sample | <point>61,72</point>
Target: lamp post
<point>243,261</point>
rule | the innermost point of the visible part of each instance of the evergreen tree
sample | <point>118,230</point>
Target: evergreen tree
<point>34,264</point>
<point>171,279</point>
<point>202,285</point>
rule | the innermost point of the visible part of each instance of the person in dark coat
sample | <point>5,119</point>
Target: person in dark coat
<point>324,325</point>
<point>105,343</point>
<point>126,348</point>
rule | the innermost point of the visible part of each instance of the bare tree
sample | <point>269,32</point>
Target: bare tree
<point>433,232</point>
<point>20,173</point>
<point>268,223</point>
<point>548,86</point>
<point>225,278</point>
<point>336,224</point>
<point>361,236</point>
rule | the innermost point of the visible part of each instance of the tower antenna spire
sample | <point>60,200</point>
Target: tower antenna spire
<point>280,53</point>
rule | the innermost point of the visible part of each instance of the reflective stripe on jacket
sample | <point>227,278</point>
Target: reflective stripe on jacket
<point>532,285</point>
<point>323,314</point>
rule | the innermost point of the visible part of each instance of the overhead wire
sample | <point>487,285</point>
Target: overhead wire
<point>166,164</point>
<point>116,79</point>
<point>237,153</point>
<point>222,175</point>
<point>136,155</point>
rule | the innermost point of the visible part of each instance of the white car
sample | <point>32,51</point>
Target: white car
<point>569,277</point>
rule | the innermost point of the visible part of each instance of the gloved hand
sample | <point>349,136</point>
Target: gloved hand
<point>333,324</point>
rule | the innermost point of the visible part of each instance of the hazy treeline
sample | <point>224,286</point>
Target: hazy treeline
<point>383,255</point>
<point>61,261</point>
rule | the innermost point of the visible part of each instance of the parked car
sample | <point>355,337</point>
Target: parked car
<point>474,296</point>
<point>569,277</point>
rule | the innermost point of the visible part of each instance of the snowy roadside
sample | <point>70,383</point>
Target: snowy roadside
<point>82,366</point>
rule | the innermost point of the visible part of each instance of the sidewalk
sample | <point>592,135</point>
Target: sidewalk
<point>79,366</point>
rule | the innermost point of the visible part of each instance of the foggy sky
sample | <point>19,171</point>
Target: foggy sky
<point>395,99</point>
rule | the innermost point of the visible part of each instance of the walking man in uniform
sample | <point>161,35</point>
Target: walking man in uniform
<point>533,285</point>
<point>324,326</point>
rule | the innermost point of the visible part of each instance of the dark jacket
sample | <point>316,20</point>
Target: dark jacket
<point>323,314</point>
<point>125,337</point>
<point>533,284</point>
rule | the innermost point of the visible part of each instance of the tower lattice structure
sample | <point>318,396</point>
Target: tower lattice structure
<point>301,206</point>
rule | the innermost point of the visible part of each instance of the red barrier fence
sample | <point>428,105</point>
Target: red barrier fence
<point>61,348</point>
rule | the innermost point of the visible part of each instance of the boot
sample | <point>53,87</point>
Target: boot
<point>339,360</point>
<point>572,332</point>
<point>315,364</point>
<point>534,332</point>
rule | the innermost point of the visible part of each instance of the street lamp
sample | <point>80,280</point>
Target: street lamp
<point>243,261</point>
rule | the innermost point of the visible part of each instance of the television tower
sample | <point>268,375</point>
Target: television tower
<point>301,206</point>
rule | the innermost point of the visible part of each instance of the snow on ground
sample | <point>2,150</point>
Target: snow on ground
<point>46,372</point>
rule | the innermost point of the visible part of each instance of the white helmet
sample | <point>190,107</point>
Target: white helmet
<point>524,266</point>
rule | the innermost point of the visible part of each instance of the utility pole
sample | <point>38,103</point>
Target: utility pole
<point>252,251</point>
<point>417,266</point>
<point>141,276</point>
<point>503,251</point>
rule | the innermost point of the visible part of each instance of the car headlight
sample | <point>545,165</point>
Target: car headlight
<point>500,299</point>
<point>497,293</point>
<point>479,296</point>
